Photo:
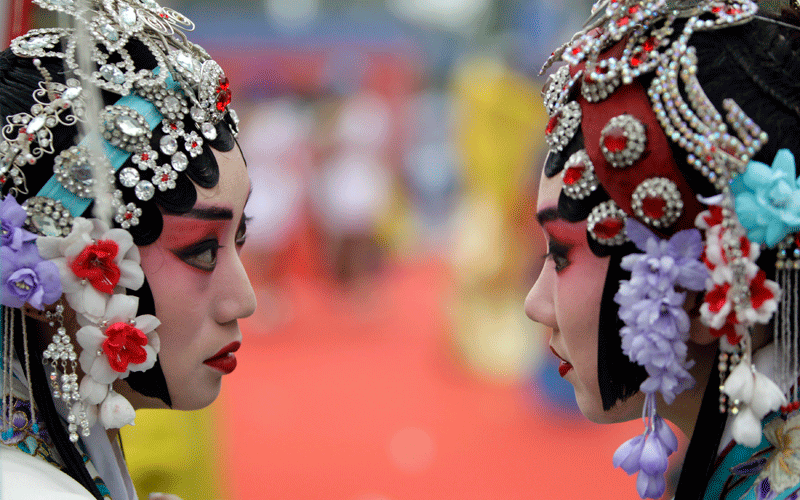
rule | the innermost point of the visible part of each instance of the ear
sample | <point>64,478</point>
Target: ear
<point>698,332</point>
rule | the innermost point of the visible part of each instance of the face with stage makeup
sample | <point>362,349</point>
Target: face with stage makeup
<point>567,298</point>
<point>200,287</point>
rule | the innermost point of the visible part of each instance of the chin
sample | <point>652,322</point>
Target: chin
<point>195,397</point>
<point>622,411</point>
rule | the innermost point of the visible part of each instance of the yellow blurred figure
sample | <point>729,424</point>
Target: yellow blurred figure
<point>500,120</point>
<point>174,452</point>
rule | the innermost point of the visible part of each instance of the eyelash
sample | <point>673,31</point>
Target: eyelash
<point>241,233</point>
<point>192,255</point>
<point>558,253</point>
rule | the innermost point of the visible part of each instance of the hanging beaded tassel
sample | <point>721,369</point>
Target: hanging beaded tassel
<point>729,357</point>
<point>787,337</point>
<point>61,355</point>
<point>7,362</point>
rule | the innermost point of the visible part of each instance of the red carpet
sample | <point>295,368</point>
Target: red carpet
<point>353,401</point>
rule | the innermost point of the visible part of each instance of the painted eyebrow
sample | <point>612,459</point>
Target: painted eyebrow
<point>210,213</point>
<point>548,215</point>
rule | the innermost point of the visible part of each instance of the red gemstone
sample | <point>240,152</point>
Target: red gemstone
<point>194,144</point>
<point>733,11</point>
<point>649,44</point>
<point>223,84</point>
<point>796,237</point>
<point>654,206</point>
<point>637,59</point>
<point>128,216</point>
<point>576,50</point>
<point>633,10</point>
<point>574,173</point>
<point>223,99</point>
<point>173,126</point>
<point>2,179</point>
<point>552,123</point>
<point>164,177</point>
<point>715,10</point>
<point>145,156</point>
<point>615,140</point>
<point>608,228</point>
<point>623,21</point>
<point>163,15</point>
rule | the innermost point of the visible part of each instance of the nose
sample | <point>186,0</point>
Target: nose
<point>235,298</point>
<point>539,304</point>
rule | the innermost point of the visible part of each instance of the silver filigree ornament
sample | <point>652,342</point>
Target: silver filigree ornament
<point>125,128</point>
<point>28,136</point>
<point>107,32</point>
<point>202,92</point>
<point>47,217</point>
<point>74,169</point>
<point>38,43</point>
<point>65,6</point>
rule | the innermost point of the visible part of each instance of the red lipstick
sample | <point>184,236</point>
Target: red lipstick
<point>564,367</point>
<point>225,359</point>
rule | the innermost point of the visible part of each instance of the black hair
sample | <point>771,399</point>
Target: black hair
<point>18,79</point>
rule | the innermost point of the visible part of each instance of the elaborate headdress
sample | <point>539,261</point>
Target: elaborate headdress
<point>167,102</point>
<point>631,89</point>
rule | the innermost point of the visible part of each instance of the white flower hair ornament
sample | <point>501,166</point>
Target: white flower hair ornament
<point>119,344</point>
<point>94,262</point>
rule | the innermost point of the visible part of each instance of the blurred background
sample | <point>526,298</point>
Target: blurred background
<point>394,148</point>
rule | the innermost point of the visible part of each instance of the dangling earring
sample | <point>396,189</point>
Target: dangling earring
<point>62,352</point>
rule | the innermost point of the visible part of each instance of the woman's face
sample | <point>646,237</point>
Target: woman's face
<point>566,297</point>
<point>200,287</point>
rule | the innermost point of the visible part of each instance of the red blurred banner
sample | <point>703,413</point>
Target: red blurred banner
<point>19,19</point>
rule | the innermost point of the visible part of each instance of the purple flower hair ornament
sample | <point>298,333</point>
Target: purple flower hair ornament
<point>12,217</point>
<point>654,336</point>
<point>26,277</point>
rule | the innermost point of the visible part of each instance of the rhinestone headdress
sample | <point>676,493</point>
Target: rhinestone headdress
<point>627,127</point>
<point>49,245</point>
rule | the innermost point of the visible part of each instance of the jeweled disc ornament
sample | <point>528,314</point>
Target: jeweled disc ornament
<point>562,125</point>
<point>47,217</point>
<point>606,224</point>
<point>125,128</point>
<point>73,169</point>
<point>623,140</point>
<point>657,202</point>
<point>578,176</point>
